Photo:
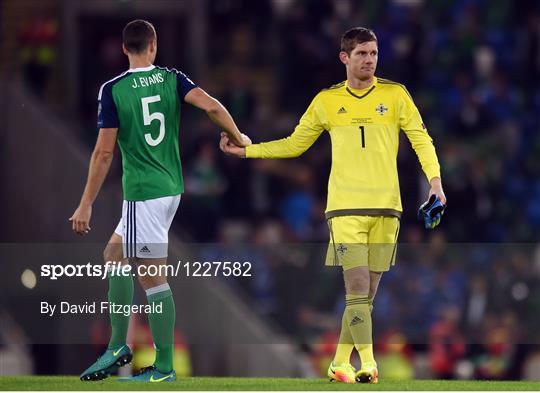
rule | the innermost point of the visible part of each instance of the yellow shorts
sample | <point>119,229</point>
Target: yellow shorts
<point>363,241</point>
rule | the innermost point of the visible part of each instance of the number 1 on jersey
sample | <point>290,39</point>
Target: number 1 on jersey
<point>149,117</point>
<point>363,136</point>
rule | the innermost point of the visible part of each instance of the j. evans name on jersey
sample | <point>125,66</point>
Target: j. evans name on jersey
<point>145,81</point>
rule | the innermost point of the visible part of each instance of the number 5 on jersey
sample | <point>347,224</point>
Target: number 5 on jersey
<point>149,117</point>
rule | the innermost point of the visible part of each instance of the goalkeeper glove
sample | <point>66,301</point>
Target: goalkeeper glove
<point>431,212</point>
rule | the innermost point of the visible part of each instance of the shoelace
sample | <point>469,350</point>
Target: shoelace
<point>144,370</point>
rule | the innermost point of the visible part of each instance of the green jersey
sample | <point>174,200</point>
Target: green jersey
<point>144,104</point>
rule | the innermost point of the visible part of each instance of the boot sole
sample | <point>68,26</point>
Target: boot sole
<point>102,374</point>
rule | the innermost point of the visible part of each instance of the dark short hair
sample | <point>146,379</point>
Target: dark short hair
<point>137,35</point>
<point>355,36</point>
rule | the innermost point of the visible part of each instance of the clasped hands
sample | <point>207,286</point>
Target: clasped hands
<point>229,147</point>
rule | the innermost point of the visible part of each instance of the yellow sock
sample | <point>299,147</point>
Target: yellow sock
<point>358,314</point>
<point>345,344</point>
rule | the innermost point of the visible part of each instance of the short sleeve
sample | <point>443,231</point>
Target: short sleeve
<point>184,84</point>
<point>107,116</point>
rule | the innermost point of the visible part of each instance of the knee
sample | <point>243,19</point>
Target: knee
<point>148,281</point>
<point>371,293</point>
<point>374,279</point>
<point>145,281</point>
<point>107,254</point>
<point>113,252</point>
<point>357,287</point>
<point>357,281</point>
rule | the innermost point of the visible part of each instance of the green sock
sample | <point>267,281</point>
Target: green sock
<point>120,292</point>
<point>358,314</point>
<point>345,344</point>
<point>162,326</point>
<point>370,301</point>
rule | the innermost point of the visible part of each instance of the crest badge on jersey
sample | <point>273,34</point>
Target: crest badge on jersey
<point>381,109</point>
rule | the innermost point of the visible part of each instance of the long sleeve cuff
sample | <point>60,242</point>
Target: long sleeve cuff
<point>432,171</point>
<point>253,151</point>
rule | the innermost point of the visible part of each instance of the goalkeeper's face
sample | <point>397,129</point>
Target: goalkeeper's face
<point>361,63</point>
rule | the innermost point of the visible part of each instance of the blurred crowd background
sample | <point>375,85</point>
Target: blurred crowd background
<point>455,301</point>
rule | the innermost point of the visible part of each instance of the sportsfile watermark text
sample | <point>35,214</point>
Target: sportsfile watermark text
<point>115,268</point>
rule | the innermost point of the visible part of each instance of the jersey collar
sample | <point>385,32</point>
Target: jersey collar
<point>360,93</point>
<point>141,69</point>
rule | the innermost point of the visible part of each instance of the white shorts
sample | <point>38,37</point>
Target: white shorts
<point>144,226</point>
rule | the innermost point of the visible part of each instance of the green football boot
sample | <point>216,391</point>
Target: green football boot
<point>150,374</point>
<point>107,364</point>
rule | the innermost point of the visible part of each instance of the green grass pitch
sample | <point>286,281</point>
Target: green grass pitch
<point>205,383</point>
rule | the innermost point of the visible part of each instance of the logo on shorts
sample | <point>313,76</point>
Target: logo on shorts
<point>144,249</point>
<point>356,320</point>
<point>342,249</point>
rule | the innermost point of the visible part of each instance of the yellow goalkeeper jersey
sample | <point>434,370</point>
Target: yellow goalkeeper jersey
<point>364,128</point>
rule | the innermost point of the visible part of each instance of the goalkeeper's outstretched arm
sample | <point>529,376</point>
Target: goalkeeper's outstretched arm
<point>305,134</point>
<point>292,146</point>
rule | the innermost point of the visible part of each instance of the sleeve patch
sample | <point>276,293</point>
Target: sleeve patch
<point>107,116</point>
<point>184,84</point>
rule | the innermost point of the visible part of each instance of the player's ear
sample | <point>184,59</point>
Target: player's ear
<point>153,46</point>
<point>124,49</point>
<point>344,57</point>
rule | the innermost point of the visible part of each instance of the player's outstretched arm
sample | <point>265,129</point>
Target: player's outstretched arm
<point>311,125</point>
<point>99,167</point>
<point>218,114</point>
